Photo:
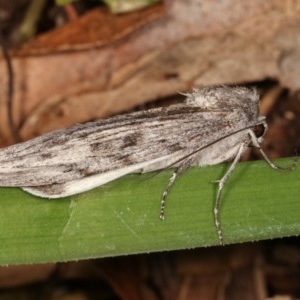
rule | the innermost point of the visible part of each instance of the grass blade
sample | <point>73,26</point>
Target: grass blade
<point>122,216</point>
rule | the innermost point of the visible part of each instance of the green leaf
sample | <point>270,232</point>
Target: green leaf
<point>64,2</point>
<point>122,217</point>
<point>124,6</point>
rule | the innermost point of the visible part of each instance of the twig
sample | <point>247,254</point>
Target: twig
<point>10,93</point>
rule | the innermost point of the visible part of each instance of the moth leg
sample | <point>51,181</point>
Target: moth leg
<point>185,164</point>
<point>221,184</point>
<point>270,163</point>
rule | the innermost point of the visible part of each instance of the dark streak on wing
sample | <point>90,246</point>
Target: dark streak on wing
<point>131,140</point>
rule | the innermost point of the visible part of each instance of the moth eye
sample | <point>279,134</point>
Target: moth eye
<point>259,130</point>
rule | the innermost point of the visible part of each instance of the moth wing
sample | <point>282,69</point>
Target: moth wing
<point>98,152</point>
<point>73,187</point>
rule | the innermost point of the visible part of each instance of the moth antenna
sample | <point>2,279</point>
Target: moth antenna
<point>266,158</point>
<point>221,184</point>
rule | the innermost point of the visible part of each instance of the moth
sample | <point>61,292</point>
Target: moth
<point>213,125</point>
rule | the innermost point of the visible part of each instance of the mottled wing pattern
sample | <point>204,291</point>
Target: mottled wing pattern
<point>109,145</point>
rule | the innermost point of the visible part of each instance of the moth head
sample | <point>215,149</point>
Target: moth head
<point>223,98</point>
<point>212,96</point>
